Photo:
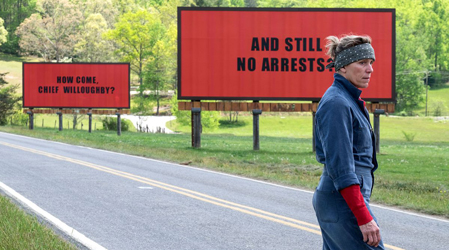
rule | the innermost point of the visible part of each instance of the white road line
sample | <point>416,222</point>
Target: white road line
<point>71,232</point>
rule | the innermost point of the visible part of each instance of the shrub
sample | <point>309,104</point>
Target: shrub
<point>110,123</point>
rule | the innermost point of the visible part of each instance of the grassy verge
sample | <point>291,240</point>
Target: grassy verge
<point>412,174</point>
<point>21,231</point>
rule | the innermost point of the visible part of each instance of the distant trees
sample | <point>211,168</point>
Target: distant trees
<point>136,34</point>
<point>144,33</point>
<point>13,12</point>
<point>421,29</point>
<point>53,32</point>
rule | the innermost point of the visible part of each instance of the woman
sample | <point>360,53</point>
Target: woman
<point>345,145</point>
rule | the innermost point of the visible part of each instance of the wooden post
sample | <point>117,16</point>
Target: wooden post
<point>89,113</point>
<point>256,141</point>
<point>313,132</point>
<point>119,123</point>
<point>60,119</point>
<point>314,109</point>
<point>31,117</point>
<point>196,127</point>
<point>377,113</point>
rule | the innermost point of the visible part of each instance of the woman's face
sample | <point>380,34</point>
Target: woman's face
<point>358,73</point>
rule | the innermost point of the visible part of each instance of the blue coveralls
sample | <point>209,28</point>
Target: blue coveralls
<point>345,145</point>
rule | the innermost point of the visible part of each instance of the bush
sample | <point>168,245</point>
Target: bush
<point>209,119</point>
<point>8,99</point>
<point>18,118</point>
<point>110,123</point>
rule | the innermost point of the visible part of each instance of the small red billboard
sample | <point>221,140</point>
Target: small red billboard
<point>275,54</point>
<point>76,85</point>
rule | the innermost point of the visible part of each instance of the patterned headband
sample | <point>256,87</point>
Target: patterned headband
<point>352,54</point>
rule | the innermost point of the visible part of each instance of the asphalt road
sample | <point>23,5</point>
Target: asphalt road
<point>126,202</point>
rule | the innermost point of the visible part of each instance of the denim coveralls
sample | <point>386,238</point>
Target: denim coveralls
<point>345,145</point>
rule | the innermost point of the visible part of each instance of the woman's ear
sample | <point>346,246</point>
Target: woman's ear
<point>343,70</point>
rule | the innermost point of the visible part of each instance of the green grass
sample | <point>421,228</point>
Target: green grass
<point>412,175</point>
<point>437,101</point>
<point>52,121</point>
<point>13,65</point>
<point>19,230</point>
<point>426,129</point>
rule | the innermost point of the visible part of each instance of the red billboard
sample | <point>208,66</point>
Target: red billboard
<point>275,54</point>
<point>76,85</point>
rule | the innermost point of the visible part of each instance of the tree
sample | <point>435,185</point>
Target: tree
<point>3,33</point>
<point>136,34</point>
<point>8,99</point>
<point>156,71</point>
<point>210,3</point>
<point>412,45</point>
<point>106,8</point>
<point>13,12</point>
<point>53,32</point>
<point>282,3</point>
<point>91,46</point>
<point>434,23</point>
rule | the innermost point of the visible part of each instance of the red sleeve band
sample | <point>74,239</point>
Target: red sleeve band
<point>356,203</point>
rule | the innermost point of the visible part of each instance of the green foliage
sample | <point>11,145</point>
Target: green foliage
<point>53,32</point>
<point>13,12</point>
<point>91,47</point>
<point>210,120</point>
<point>137,34</point>
<point>434,21</point>
<point>141,105</point>
<point>3,32</point>
<point>18,118</point>
<point>110,123</point>
<point>8,99</point>
<point>409,136</point>
<point>225,123</point>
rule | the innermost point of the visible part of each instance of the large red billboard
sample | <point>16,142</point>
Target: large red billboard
<point>275,54</point>
<point>76,85</point>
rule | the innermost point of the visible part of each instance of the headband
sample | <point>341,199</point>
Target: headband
<point>352,54</point>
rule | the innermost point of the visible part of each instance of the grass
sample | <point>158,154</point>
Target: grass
<point>13,65</point>
<point>412,175</point>
<point>19,230</point>
<point>437,102</point>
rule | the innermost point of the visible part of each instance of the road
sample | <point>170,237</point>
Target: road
<point>127,202</point>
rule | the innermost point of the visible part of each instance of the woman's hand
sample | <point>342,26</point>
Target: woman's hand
<point>371,233</point>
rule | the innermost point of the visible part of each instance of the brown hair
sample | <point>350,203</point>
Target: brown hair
<point>334,44</point>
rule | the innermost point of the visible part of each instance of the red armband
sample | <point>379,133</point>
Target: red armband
<point>356,203</point>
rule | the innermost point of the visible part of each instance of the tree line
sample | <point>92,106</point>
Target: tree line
<point>144,33</point>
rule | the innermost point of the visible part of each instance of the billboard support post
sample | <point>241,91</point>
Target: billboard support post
<point>313,132</point>
<point>196,127</point>
<point>256,141</point>
<point>89,113</point>
<point>60,119</point>
<point>119,123</point>
<point>31,117</point>
<point>377,114</point>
